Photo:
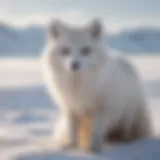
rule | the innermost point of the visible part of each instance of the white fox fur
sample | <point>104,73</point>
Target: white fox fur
<point>104,89</point>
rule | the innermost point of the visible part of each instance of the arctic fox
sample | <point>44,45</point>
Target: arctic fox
<point>100,96</point>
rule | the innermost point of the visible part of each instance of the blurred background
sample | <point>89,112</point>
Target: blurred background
<point>26,111</point>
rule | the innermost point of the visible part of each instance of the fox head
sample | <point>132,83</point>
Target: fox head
<point>74,49</point>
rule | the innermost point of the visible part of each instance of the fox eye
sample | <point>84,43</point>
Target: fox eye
<point>86,51</point>
<point>65,51</point>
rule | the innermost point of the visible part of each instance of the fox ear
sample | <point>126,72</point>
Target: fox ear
<point>56,29</point>
<point>96,28</point>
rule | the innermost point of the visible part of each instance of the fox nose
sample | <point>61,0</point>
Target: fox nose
<point>75,66</point>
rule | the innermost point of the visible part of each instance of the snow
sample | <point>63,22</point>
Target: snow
<point>27,115</point>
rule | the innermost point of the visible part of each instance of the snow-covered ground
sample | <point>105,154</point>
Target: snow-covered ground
<point>27,114</point>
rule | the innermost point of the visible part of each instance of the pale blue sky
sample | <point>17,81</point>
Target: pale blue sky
<point>117,14</point>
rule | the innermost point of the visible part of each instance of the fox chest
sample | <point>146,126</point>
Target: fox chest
<point>80,96</point>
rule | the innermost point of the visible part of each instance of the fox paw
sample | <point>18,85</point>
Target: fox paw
<point>95,148</point>
<point>63,145</point>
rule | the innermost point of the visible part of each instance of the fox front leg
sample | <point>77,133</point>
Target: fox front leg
<point>72,130</point>
<point>98,132</point>
<point>66,132</point>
